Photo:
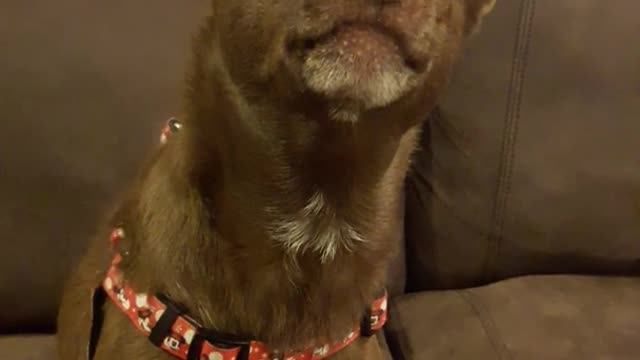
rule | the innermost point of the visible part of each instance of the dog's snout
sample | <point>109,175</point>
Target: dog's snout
<point>346,4</point>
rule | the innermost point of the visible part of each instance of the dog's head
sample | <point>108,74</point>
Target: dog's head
<point>353,54</point>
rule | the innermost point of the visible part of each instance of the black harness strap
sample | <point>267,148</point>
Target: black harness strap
<point>98,298</point>
<point>162,329</point>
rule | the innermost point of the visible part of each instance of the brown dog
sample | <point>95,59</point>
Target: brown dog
<point>266,216</point>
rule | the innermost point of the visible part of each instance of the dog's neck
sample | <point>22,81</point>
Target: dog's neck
<point>316,187</point>
<point>276,222</point>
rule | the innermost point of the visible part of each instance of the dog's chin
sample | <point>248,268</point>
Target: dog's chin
<point>357,68</point>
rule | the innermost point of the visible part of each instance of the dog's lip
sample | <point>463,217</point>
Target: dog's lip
<point>301,44</point>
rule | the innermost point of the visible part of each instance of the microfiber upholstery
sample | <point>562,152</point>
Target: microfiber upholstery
<point>85,89</point>
<point>529,318</point>
<point>34,347</point>
<point>532,165</point>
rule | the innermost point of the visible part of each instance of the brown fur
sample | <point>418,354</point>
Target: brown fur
<point>256,146</point>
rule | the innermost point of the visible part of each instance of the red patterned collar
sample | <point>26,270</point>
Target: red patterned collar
<point>170,329</point>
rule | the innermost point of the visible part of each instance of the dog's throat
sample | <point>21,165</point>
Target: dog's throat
<point>271,240</point>
<point>317,228</point>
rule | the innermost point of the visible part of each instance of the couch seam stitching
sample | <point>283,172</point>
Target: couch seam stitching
<point>488,325</point>
<point>509,141</point>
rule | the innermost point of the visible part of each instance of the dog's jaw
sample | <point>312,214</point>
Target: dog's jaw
<point>359,66</point>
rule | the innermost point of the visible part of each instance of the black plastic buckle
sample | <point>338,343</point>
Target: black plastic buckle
<point>169,317</point>
<point>366,327</point>
<point>225,341</point>
<point>195,349</point>
<point>162,329</point>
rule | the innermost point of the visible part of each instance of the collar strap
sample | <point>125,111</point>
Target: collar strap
<point>167,327</point>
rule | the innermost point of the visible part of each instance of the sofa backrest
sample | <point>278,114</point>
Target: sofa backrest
<point>84,90</point>
<point>533,164</point>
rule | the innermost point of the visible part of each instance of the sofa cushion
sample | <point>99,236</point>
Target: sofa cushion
<point>529,318</point>
<point>532,166</point>
<point>28,347</point>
